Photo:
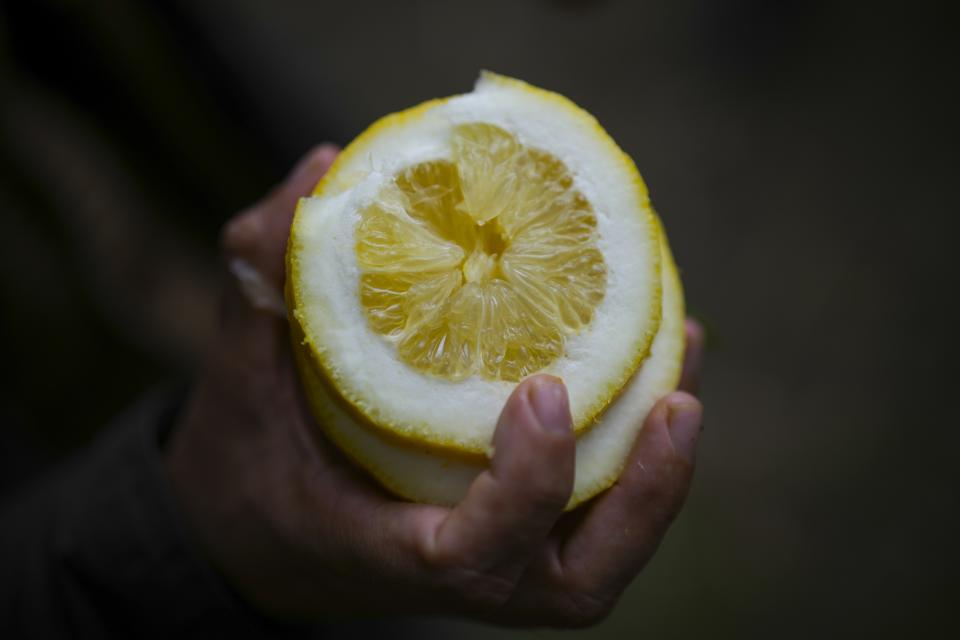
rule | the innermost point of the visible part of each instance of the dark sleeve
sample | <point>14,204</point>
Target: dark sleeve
<point>98,549</point>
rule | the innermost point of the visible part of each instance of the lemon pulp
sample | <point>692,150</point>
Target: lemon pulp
<point>482,264</point>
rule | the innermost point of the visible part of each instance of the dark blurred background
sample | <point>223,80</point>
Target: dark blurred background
<point>802,154</point>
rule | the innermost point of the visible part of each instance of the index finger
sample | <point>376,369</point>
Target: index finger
<point>259,234</point>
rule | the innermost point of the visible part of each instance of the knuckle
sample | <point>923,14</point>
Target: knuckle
<point>439,560</point>
<point>548,494</point>
<point>585,598</point>
<point>469,587</point>
<point>484,592</point>
<point>476,591</point>
<point>546,489</point>
<point>581,609</point>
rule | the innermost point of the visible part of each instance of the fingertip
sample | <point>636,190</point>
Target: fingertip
<point>548,398</point>
<point>662,434</point>
<point>308,171</point>
<point>695,337</point>
<point>534,442</point>
<point>315,162</point>
<point>694,331</point>
<point>538,406</point>
<point>675,398</point>
<point>241,234</point>
<point>684,417</point>
<point>327,153</point>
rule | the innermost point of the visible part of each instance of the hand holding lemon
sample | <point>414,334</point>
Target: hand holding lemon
<point>445,293</point>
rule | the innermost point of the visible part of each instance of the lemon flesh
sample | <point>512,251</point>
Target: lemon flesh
<point>482,265</point>
<point>459,246</point>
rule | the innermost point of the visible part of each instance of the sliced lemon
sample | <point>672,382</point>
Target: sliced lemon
<point>461,245</point>
<point>426,475</point>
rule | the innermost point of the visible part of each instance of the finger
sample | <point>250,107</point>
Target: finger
<point>622,529</point>
<point>253,244</point>
<point>692,357</point>
<point>511,507</point>
<point>258,236</point>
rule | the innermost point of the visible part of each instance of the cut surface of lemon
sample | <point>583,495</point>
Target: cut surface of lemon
<point>427,475</point>
<point>481,264</point>
<point>462,245</point>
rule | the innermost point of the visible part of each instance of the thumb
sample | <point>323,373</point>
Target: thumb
<point>510,508</point>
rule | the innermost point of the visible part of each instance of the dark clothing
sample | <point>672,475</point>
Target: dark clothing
<point>99,548</point>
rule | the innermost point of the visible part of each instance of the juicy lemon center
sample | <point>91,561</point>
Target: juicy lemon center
<point>479,267</point>
<point>483,264</point>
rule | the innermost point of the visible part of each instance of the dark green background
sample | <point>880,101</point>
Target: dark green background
<point>803,156</point>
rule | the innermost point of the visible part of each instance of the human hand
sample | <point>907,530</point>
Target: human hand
<point>301,533</point>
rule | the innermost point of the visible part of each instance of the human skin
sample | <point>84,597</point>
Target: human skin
<point>302,534</point>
